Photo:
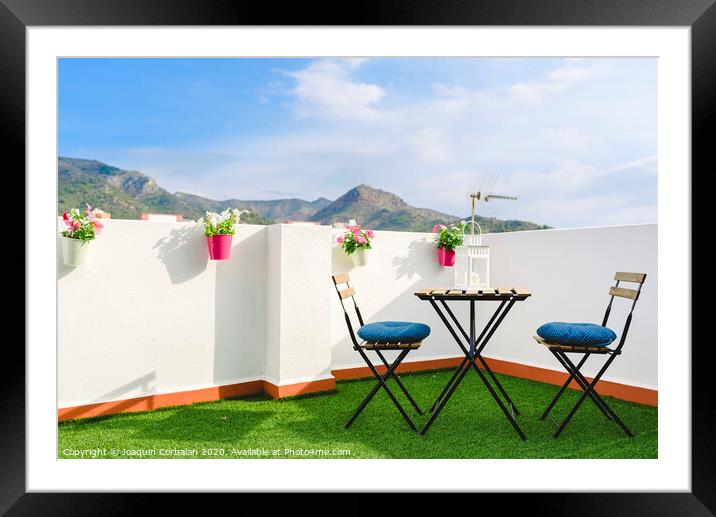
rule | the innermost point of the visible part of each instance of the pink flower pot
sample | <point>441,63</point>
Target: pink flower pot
<point>446,257</point>
<point>219,247</point>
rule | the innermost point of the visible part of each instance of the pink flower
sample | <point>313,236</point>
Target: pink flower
<point>97,226</point>
<point>340,240</point>
<point>356,232</point>
<point>360,239</point>
<point>369,234</point>
<point>67,220</point>
<point>88,210</point>
<point>74,225</point>
<point>435,228</point>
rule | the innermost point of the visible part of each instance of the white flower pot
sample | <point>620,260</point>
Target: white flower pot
<point>359,257</point>
<point>75,252</point>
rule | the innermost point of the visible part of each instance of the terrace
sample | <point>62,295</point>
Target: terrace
<point>161,326</point>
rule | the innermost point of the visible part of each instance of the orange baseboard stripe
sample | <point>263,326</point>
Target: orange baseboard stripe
<point>636,394</point>
<point>301,388</point>
<point>361,372</point>
<point>181,398</point>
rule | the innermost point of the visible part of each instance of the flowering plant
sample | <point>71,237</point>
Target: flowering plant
<point>84,227</point>
<point>221,223</point>
<point>355,238</point>
<point>449,238</point>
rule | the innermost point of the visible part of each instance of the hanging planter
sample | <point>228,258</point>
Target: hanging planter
<point>446,257</point>
<point>77,238</point>
<point>356,243</point>
<point>219,230</point>
<point>360,257</point>
<point>219,246</point>
<point>75,252</point>
<point>447,240</point>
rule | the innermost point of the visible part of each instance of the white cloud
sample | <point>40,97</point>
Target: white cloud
<point>640,163</point>
<point>325,89</point>
<point>559,80</point>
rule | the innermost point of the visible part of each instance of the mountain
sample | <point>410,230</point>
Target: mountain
<point>125,194</point>
<point>380,210</point>
<point>278,209</point>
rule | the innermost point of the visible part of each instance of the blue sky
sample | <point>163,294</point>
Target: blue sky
<point>574,139</point>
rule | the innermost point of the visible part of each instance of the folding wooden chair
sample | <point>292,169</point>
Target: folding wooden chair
<point>587,339</point>
<point>377,337</point>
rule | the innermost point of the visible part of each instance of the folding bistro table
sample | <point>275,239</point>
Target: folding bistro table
<point>476,343</point>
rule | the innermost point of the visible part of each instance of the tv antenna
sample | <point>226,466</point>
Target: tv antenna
<point>481,190</point>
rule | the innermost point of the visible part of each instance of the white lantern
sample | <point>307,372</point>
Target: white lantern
<point>472,264</point>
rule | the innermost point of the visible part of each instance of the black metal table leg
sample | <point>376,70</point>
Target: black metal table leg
<point>482,340</point>
<point>447,386</point>
<point>471,360</point>
<point>444,401</point>
<point>472,328</point>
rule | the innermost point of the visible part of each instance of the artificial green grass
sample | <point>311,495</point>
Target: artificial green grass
<point>470,426</point>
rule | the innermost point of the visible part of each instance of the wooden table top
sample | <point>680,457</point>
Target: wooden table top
<point>501,293</point>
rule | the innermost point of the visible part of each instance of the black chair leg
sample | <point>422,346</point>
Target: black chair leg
<point>607,409</point>
<point>564,387</point>
<point>576,374</point>
<point>382,384</point>
<point>590,390</point>
<point>400,385</point>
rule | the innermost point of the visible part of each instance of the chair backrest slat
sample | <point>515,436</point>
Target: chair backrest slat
<point>345,293</point>
<point>624,292</point>
<point>340,279</point>
<point>630,277</point>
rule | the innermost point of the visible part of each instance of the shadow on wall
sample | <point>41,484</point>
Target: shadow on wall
<point>183,252</point>
<point>340,262</point>
<point>145,383</point>
<point>409,265</point>
<point>62,269</point>
<point>240,295</point>
<point>415,310</point>
<point>414,262</point>
<point>413,266</point>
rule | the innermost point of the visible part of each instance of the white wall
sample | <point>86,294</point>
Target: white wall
<point>568,271</point>
<point>152,314</point>
<point>299,347</point>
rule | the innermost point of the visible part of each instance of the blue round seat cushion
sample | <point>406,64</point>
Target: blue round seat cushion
<point>394,332</point>
<point>586,334</point>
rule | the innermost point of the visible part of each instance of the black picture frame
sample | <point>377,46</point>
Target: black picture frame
<point>699,15</point>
